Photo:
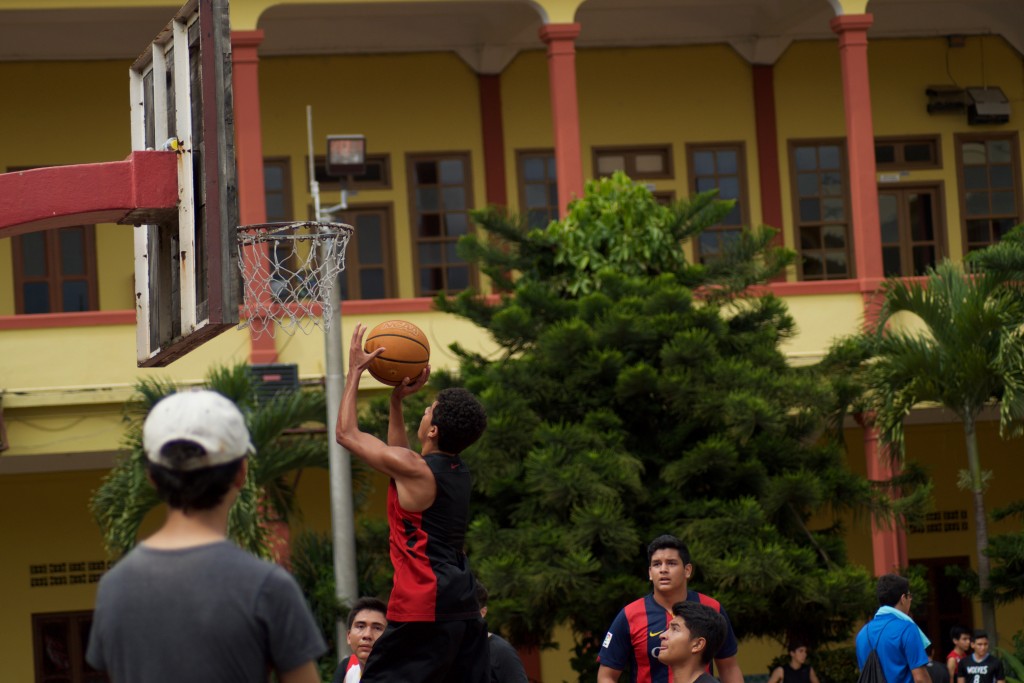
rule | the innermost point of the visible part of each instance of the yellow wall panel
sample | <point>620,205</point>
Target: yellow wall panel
<point>402,103</point>
<point>821,319</point>
<point>53,526</point>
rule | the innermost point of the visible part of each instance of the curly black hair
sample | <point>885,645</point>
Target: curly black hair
<point>460,419</point>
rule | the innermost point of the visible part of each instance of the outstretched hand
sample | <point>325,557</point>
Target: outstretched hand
<point>410,385</point>
<point>358,358</point>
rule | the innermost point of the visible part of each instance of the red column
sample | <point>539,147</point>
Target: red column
<point>768,148</point>
<point>852,30</point>
<point>888,544</point>
<point>494,138</point>
<point>249,151</point>
<point>564,109</point>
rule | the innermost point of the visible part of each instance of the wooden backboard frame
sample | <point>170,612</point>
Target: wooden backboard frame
<point>186,272</point>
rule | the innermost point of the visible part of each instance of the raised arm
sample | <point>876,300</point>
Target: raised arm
<point>397,434</point>
<point>414,480</point>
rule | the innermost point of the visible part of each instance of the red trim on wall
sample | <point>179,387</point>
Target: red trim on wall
<point>565,115</point>
<point>38,321</point>
<point>127,317</point>
<point>143,185</point>
<point>494,138</point>
<point>768,148</point>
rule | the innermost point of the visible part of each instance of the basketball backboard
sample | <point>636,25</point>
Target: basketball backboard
<point>186,273</point>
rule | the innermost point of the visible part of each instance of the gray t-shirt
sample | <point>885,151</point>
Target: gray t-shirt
<point>208,614</point>
<point>506,667</point>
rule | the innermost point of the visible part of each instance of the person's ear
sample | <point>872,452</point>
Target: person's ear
<point>242,473</point>
<point>688,570</point>
<point>698,645</point>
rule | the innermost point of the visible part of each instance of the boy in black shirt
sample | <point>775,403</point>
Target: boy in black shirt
<point>980,666</point>
<point>691,641</point>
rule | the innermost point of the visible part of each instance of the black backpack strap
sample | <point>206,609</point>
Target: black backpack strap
<point>875,646</point>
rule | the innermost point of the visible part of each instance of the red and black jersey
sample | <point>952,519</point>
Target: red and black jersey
<point>433,581</point>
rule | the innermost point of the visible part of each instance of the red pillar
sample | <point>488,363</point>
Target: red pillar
<point>494,138</point>
<point>249,152</point>
<point>564,109</point>
<point>852,30</point>
<point>888,545</point>
<point>768,148</point>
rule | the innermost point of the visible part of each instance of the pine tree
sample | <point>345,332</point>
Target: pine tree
<point>637,394</point>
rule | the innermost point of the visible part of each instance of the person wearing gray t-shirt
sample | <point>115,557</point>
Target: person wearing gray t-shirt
<point>187,604</point>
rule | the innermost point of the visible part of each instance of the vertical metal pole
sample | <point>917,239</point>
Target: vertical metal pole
<point>342,516</point>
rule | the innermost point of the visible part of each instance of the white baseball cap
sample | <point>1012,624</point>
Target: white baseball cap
<point>202,417</point>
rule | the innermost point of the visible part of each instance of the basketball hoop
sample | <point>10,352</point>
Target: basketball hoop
<point>288,271</point>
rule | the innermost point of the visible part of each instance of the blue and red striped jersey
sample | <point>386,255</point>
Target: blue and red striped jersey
<point>636,631</point>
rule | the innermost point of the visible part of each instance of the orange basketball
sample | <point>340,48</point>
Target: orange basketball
<point>407,351</point>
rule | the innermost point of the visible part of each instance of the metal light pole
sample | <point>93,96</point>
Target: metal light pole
<point>342,515</point>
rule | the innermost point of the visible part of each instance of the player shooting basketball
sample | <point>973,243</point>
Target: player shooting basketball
<point>434,630</point>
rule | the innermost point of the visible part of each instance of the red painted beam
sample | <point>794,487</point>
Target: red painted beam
<point>142,188</point>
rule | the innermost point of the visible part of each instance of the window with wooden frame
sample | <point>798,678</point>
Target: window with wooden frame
<point>59,644</point>
<point>988,169</point>
<point>369,259</point>
<point>910,219</point>
<point>907,153</point>
<point>646,162</point>
<point>538,187</point>
<point>55,271</point>
<point>821,208</point>
<point>277,189</point>
<point>723,167</point>
<point>440,198</point>
<point>377,175</point>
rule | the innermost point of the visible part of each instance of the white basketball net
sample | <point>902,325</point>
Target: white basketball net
<point>288,271</point>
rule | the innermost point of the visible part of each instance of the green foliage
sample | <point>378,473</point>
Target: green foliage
<point>836,665</point>
<point>1013,659</point>
<point>833,665</point>
<point>965,352</point>
<point>1006,552</point>
<point>125,496</point>
<point>313,568</point>
<point>638,394</point>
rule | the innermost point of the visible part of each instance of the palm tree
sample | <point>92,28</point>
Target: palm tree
<point>284,448</point>
<point>965,352</point>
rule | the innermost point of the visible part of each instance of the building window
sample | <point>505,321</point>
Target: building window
<point>277,189</point>
<point>377,175</point>
<point>441,197</point>
<point>55,271</point>
<point>989,175</point>
<point>911,224</point>
<point>899,154</point>
<point>538,187</point>
<point>639,163</point>
<point>821,208</point>
<point>59,645</point>
<point>369,258</point>
<point>720,167</point>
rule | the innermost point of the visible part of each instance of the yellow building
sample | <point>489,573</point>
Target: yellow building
<point>878,135</point>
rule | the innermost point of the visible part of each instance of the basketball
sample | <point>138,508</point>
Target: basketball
<point>407,351</point>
